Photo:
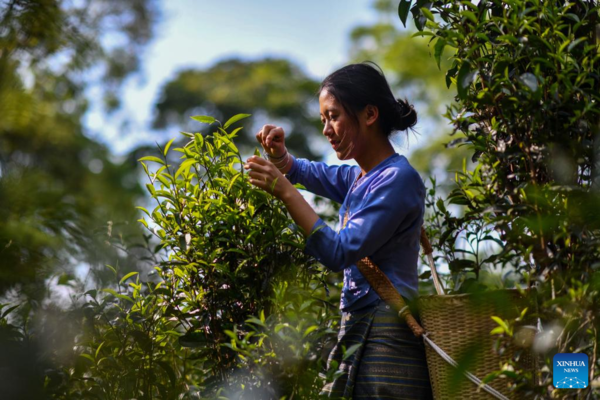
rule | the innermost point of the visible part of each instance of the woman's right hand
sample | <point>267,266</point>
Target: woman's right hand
<point>272,139</point>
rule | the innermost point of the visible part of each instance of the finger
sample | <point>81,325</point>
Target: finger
<point>256,175</point>
<point>266,130</point>
<point>259,167</point>
<point>257,160</point>
<point>275,136</point>
<point>258,179</point>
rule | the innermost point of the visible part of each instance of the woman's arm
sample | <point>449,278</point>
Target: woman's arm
<point>267,177</point>
<point>302,213</point>
<point>394,204</point>
<point>331,181</point>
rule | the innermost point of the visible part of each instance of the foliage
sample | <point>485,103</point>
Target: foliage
<point>228,243</point>
<point>527,83</point>
<point>232,309</point>
<point>58,187</point>
<point>273,90</point>
<point>231,253</point>
<point>404,58</point>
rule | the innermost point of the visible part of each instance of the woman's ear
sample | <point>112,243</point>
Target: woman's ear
<point>371,113</point>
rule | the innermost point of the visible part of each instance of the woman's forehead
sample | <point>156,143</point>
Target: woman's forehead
<point>327,101</point>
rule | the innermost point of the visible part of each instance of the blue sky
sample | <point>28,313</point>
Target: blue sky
<point>314,34</point>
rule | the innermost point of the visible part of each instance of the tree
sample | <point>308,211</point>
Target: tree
<point>62,197</point>
<point>527,81</point>
<point>406,57</point>
<point>58,187</point>
<point>272,90</point>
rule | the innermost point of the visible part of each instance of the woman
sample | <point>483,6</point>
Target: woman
<point>384,197</point>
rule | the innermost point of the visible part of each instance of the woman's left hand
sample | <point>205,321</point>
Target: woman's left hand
<point>264,173</point>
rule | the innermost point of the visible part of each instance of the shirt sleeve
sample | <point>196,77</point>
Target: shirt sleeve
<point>393,202</point>
<point>331,181</point>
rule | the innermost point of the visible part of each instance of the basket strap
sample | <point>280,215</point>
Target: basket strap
<point>388,293</point>
<point>428,251</point>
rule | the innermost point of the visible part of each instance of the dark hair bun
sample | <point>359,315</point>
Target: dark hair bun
<point>405,116</point>
<point>356,86</point>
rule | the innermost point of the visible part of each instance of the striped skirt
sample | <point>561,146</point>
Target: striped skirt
<point>384,359</point>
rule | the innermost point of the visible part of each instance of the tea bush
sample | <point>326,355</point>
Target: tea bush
<point>236,309</point>
<point>229,245</point>
<point>232,307</point>
<point>527,78</point>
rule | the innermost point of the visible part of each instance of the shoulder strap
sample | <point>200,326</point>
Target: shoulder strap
<point>384,288</point>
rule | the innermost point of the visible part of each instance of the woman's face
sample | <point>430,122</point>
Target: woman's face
<point>339,127</point>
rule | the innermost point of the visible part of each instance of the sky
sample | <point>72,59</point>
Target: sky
<point>313,34</point>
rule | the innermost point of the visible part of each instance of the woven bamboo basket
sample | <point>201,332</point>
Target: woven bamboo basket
<point>461,325</point>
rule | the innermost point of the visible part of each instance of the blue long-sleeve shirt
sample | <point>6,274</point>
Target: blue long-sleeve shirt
<point>385,215</point>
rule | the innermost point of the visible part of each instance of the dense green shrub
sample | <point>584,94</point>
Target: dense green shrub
<point>527,78</point>
<point>233,308</point>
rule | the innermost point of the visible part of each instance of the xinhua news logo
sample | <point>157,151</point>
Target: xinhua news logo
<point>570,370</point>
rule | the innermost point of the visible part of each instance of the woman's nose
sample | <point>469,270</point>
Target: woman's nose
<point>327,130</point>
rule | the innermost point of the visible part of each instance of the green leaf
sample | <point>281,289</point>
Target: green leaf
<point>129,275</point>
<point>439,50</point>
<point>351,350</point>
<point>9,310</point>
<point>89,357</point>
<point>232,182</point>
<point>502,323</point>
<point>98,349</point>
<point>403,9</point>
<point>309,330</point>
<point>464,79</point>
<point>469,15</point>
<point>235,131</point>
<point>204,119</point>
<point>64,279</point>
<point>185,167</point>
<point>425,275</point>
<point>145,168</point>
<point>167,146</point>
<point>451,73</point>
<point>497,330</point>
<point>422,34</point>
<point>256,321</point>
<point>177,271</point>
<point>575,43</point>
<point>112,269</point>
<point>199,141</point>
<point>235,119</point>
<point>144,210</point>
<point>418,17</point>
<point>152,158</point>
<point>428,14</point>
<point>164,180</point>
<point>151,189</point>
<point>120,296</point>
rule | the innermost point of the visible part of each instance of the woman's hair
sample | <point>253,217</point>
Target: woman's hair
<point>357,85</point>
